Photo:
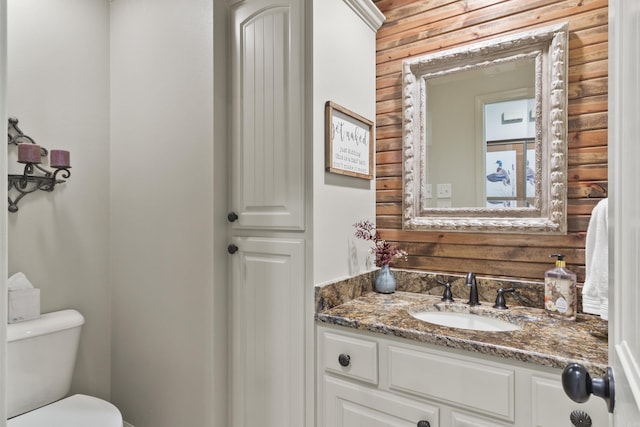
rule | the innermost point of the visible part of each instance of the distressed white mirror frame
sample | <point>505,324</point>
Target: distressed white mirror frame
<point>549,47</point>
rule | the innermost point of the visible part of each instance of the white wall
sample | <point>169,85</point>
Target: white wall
<point>166,215</point>
<point>58,87</point>
<point>343,72</point>
<point>216,398</point>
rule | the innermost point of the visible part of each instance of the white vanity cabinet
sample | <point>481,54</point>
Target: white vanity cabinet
<point>370,379</point>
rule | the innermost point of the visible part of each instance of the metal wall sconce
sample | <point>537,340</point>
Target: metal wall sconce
<point>35,177</point>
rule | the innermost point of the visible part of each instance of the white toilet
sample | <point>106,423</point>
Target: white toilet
<point>41,355</point>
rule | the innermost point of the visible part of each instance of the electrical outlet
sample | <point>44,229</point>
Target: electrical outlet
<point>427,191</point>
<point>444,191</point>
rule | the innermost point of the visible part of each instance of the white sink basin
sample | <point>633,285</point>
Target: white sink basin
<point>465,321</point>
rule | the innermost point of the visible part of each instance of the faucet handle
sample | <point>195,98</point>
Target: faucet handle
<point>446,296</point>
<point>501,304</point>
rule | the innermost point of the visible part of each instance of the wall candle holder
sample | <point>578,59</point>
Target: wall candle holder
<point>34,177</point>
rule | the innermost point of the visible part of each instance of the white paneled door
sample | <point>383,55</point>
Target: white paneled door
<point>624,176</point>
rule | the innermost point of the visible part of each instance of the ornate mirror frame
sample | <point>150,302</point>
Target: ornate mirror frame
<point>548,46</point>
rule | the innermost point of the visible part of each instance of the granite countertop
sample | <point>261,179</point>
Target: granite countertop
<point>543,340</point>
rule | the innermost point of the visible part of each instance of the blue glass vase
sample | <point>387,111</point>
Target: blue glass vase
<point>385,283</point>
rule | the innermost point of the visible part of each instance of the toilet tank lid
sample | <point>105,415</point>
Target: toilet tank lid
<point>46,324</point>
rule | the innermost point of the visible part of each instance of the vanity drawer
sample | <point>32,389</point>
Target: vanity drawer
<point>352,357</point>
<point>484,388</point>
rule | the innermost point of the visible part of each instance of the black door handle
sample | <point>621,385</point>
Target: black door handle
<point>232,216</point>
<point>579,385</point>
<point>232,249</point>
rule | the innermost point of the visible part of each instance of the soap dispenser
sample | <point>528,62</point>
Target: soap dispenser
<point>560,296</point>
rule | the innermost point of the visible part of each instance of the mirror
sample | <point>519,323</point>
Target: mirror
<point>485,136</point>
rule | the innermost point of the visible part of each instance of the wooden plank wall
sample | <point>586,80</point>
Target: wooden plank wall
<point>417,27</point>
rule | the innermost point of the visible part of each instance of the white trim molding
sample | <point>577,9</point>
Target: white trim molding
<point>368,12</point>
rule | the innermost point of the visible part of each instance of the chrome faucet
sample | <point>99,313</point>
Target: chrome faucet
<point>473,292</point>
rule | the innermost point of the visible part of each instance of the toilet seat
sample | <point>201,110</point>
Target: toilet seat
<point>78,410</point>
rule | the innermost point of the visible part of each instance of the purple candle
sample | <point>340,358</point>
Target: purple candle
<point>28,153</point>
<point>59,159</point>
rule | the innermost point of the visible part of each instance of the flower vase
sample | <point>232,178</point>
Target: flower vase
<point>385,282</point>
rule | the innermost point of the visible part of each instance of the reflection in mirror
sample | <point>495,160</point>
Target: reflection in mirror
<point>509,154</point>
<point>455,149</point>
<point>484,136</point>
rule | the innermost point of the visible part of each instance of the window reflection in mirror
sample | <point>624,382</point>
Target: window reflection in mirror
<point>510,156</point>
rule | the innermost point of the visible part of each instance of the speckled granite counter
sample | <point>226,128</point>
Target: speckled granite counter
<point>542,340</point>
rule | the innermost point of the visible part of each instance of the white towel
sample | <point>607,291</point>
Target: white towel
<point>590,304</point>
<point>596,285</point>
<point>604,309</point>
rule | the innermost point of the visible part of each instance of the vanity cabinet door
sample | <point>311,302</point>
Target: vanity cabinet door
<point>349,405</point>
<point>552,408</point>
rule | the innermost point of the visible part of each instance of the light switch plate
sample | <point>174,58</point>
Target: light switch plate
<point>444,191</point>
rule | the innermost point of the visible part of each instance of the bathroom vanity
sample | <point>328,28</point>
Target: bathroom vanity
<point>378,365</point>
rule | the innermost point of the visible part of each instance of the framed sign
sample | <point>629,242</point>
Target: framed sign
<point>348,142</point>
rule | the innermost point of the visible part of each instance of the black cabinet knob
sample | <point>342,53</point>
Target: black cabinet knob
<point>344,359</point>
<point>232,249</point>
<point>423,423</point>
<point>579,385</point>
<point>232,216</point>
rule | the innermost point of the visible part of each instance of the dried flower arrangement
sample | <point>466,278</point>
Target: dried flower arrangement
<point>382,249</point>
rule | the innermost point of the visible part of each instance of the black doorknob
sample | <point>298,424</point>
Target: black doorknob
<point>344,359</point>
<point>423,423</point>
<point>232,249</point>
<point>232,216</point>
<point>579,385</point>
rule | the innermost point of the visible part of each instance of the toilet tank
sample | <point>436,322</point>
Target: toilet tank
<point>41,355</point>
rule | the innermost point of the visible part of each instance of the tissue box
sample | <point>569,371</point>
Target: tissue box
<point>24,304</point>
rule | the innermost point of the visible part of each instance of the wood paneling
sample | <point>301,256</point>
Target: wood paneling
<point>420,27</point>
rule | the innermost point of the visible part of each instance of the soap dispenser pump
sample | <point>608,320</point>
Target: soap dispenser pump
<point>560,296</point>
